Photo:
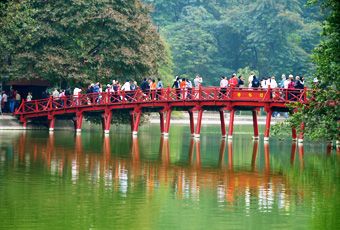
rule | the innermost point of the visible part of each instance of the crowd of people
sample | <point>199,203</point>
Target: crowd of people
<point>287,82</point>
<point>12,100</point>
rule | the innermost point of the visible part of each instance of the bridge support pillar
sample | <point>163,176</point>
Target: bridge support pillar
<point>199,123</point>
<point>192,123</point>
<point>268,120</point>
<point>135,119</point>
<point>24,125</point>
<point>24,122</point>
<point>78,122</point>
<point>255,125</point>
<point>161,121</point>
<point>107,117</point>
<point>167,123</point>
<point>223,129</point>
<point>294,136</point>
<point>231,124</point>
<point>301,134</point>
<point>51,121</point>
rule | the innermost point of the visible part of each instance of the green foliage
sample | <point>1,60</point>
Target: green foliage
<point>78,41</point>
<point>219,37</point>
<point>246,72</point>
<point>321,116</point>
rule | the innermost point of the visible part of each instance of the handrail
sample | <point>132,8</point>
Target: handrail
<point>165,95</point>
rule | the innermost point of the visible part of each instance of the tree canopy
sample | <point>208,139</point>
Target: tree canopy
<point>321,116</point>
<point>79,40</point>
<point>219,37</point>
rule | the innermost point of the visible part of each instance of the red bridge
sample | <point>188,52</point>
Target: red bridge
<point>164,101</point>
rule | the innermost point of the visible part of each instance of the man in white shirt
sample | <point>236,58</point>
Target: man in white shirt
<point>126,86</point>
<point>250,80</point>
<point>223,85</point>
<point>224,82</point>
<point>198,81</point>
<point>55,94</point>
<point>273,83</point>
<point>76,93</point>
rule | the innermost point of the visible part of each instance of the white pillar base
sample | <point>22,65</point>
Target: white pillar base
<point>300,140</point>
<point>51,129</point>
<point>197,135</point>
<point>165,134</point>
<point>78,130</point>
<point>256,138</point>
<point>134,133</point>
<point>266,138</point>
<point>224,136</point>
<point>337,143</point>
<point>230,137</point>
<point>106,131</point>
<point>294,139</point>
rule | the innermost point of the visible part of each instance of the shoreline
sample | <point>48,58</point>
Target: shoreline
<point>9,122</point>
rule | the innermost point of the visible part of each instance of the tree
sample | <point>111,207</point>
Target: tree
<point>273,37</point>
<point>321,117</point>
<point>78,40</point>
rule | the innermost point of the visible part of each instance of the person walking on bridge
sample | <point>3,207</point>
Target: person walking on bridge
<point>198,81</point>
<point>255,83</point>
<point>233,82</point>
<point>159,88</point>
<point>176,85</point>
<point>223,86</point>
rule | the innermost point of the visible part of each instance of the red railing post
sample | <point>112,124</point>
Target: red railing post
<point>168,93</point>
<point>36,105</point>
<point>268,93</point>
<point>305,94</point>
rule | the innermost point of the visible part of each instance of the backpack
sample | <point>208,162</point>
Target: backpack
<point>255,83</point>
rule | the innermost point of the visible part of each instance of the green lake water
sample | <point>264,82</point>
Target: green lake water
<point>92,181</point>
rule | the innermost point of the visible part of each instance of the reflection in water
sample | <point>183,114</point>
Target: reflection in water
<point>142,177</point>
<point>261,188</point>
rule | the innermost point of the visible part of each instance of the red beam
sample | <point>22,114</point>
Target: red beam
<point>255,125</point>
<point>51,123</point>
<point>301,134</point>
<point>268,120</point>
<point>199,122</point>
<point>192,123</point>
<point>223,128</point>
<point>79,121</point>
<point>161,121</point>
<point>107,117</point>
<point>231,124</point>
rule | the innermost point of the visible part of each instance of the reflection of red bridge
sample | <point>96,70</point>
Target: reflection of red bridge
<point>60,160</point>
<point>164,101</point>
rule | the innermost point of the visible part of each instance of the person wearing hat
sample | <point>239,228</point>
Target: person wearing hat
<point>289,81</point>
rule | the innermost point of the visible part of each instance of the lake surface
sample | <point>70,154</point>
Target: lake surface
<point>91,181</point>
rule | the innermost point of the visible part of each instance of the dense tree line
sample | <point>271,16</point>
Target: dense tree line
<point>79,40</point>
<point>222,36</point>
<point>322,115</point>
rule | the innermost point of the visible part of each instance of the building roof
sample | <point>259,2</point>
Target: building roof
<point>29,82</point>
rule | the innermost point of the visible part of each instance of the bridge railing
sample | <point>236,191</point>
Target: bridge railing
<point>165,95</point>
